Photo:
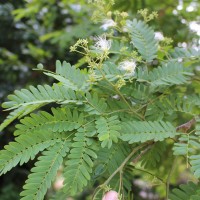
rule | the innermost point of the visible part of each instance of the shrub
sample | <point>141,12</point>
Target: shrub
<point>132,110</point>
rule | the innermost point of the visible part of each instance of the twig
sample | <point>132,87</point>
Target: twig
<point>123,163</point>
<point>121,188</point>
<point>169,177</point>
<point>121,95</point>
<point>141,154</point>
<point>122,166</point>
<point>185,127</point>
<point>142,170</point>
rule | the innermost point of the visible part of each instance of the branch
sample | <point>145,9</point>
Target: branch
<point>135,160</point>
<point>185,127</point>
<point>124,162</point>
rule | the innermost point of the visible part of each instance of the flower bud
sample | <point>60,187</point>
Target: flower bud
<point>111,195</point>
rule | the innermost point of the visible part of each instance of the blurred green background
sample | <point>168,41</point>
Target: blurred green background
<point>35,31</point>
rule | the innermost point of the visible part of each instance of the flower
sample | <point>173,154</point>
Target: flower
<point>128,66</point>
<point>159,36</point>
<point>111,195</point>
<point>102,43</point>
<point>108,23</point>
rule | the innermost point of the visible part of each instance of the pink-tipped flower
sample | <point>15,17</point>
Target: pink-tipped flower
<point>111,195</point>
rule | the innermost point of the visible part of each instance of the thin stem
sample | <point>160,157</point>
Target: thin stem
<point>123,163</point>
<point>169,177</point>
<point>121,95</point>
<point>152,101</point>
<point>123,98</point>
<point>99,188</point>
<point>121,183</point>
<point>80,52</point>
<point>118,92</point>
<point>142,170</point>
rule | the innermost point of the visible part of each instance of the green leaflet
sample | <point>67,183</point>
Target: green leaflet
<point>127,184</point>
<point>170,105</point>
<point>171,73</point>
<point>40,96</point>
<point>140,92</point>
<point>24,148</point>
<point>197,128</point>
<point>44,171</point>
<point>109,162</point>
<point>195,162</point>
<point>95,105</point>
<point>59,195</point>
<point>143,39</point>
<point>110,70</point>
<point>18,113</point>
<point>188,191</point>
<point>142,131</point>
<point>79,165</point>
<point>108,130</point>
<point>152,158</point>
<point>185,53</point>
<point>62,120</point>
<point>70,76</point>
<point>174,103</point>
<point>189,146</point>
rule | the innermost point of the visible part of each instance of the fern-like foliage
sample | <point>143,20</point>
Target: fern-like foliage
<point>197,128</point>
<point>195,99</point>
<point>195,159</point>
<point>140,92</point>
<point>171,105</point>
<point>178,104</point>
<point>109,162</point>
<point>195,162</point>
<point>188,191</point>
<point>18,113</point>
<point>40,96</point>
<point>123,106</point>
<point>44,171</point>
<point>108,130</point>
<point>110,70</point>
<point>36,133</point>
<point>153,157</point>
<point>95,105</point>
<point>61,120</point>
<point>143,39</point>
<point>69,76</point>
<point>189,146</point>
<point>186,146</point>
<point>185,53</point>
<point>167,75</point>
<point>138,131</point>
<point>80,163</point>
<point>24,148</point>
<point>59,195</point>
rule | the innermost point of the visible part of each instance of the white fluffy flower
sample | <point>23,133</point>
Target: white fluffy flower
<point>108,23</point>
<point>128,66</point>
<point>102,43</point>
<point>159,36</point>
